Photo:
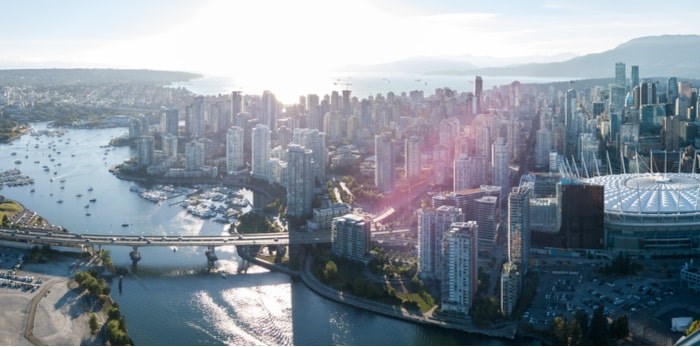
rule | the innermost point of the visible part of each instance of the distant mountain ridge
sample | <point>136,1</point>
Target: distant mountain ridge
<point>73,76</point>
<point>665,55</point>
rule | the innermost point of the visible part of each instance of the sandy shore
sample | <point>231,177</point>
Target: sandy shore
<point>62,314</point>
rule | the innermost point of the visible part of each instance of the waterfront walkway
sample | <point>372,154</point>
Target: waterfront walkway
<point>506,330</point>
<point>31,317</point>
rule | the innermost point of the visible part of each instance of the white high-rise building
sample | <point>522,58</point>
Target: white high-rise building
<point>299,181</point>
<point>469,172</point>
<point>543,145</point>
<point>234,149</point>
<point>315,141</point>
<point>170,145</point>
<point>483,142</point>
<point>519,227</point>
<point>194,155</point>
<point>459,267</point>
<point>145,146</point>
<point>413,153</point>
<point>384,165</point>
<point>501,171</point>
<point>432,224</point>
<point>351,237</point>
<point>194,118</point>
<point>261,152</point>
<point>269,110</point>
<point>169,122</point>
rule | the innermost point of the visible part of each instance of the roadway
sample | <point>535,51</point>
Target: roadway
<point>86,240</point>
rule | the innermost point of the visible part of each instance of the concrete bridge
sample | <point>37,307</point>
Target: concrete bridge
<point>88,241</point>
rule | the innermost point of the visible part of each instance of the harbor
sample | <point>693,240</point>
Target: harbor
<point>174,299</point>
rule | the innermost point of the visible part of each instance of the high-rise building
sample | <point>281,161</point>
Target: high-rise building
<point>315,141</point>
<point>469,172</point>
<point>635,75</point>
<point>347,105</point>
<point>300,178</point>
<point>384,165</point>
<point>145,146</point>
<point>620,76</point>
<point>510,280</point>
<point>234,149</point>
<point>672,90</point>
<point>519,227</point>
<point>432,224</point>
<point>136,128</point>
<point>460,267</point>
<point>617,99</point>
<point>261,152</point>
<point>269,110</point>
<point>487,211</point>
<point>515,94</point>
<point>351,237</point>
<point>194,155</point>
<point>569,107</point>
<point>170,145</point>
<point>483,143</point>
<point>582,211</point>
<point>513,142</point>
<point>543,145</point>
<point>478,90</point>
<point>236,104</point>
<point>194,117</point>
<point>648,94</point>
<point>501,170</point>
<point>413,153</point>
<point>169,122</point>
<point>587,154</point>
<point>465,199</point>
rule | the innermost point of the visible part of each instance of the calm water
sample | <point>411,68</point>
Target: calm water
<point>361,84</point>
<point>173,300</point>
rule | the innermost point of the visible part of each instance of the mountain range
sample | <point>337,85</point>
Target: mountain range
<point>664,55</point>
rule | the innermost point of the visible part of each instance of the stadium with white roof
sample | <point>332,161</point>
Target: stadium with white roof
<point>658,212</point>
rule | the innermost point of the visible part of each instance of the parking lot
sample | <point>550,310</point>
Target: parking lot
<point>568,284</point>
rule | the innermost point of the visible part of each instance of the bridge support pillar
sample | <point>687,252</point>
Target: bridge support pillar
<point>211,256</point>
<point>135,256</point>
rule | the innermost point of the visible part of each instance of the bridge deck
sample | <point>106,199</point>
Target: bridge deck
<point>84,240</point>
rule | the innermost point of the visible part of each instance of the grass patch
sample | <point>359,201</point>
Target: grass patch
<point>424,303</point>
<point>11,206</point>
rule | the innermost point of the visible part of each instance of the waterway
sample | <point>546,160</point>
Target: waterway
<point>173,299</point>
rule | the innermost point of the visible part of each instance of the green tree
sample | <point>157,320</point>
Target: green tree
<point>559,330</point>
<point>619,328</point>
<point>598,334</point>
<point>93,323</point>
<point>574,334</point>
<point>330,271</point>
<point>359,287</point>
<point>581,318</point>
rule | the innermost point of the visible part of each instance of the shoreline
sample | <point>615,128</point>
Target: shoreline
<point>56,314</point>
<point>507,331</point>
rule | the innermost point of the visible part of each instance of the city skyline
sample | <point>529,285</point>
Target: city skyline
<point>278,43</point>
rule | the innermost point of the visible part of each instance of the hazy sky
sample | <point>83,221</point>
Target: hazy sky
<point>291,38</point>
